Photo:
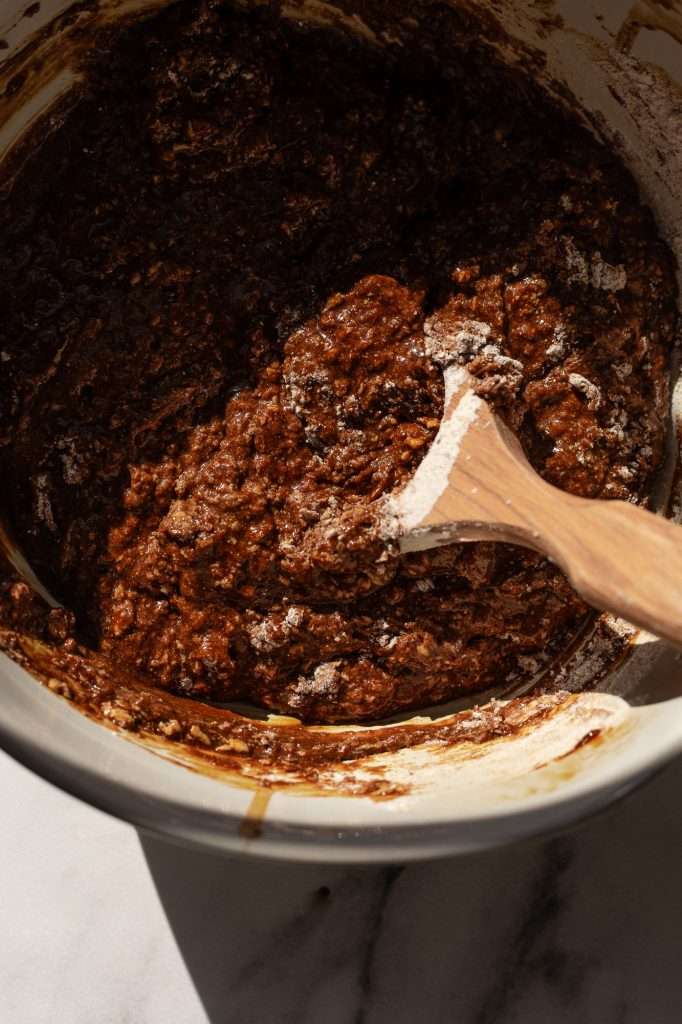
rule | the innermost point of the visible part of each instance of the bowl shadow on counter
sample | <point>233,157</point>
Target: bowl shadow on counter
<point>582,926</point>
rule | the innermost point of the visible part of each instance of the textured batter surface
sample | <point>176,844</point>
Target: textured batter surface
<point>221,280</point>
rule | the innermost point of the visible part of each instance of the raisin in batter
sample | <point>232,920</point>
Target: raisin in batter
<point>224,282</point>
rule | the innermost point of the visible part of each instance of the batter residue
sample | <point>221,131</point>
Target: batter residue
<point>221,280</point>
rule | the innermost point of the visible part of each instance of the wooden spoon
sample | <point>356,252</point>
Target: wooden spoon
<point>475,483</point>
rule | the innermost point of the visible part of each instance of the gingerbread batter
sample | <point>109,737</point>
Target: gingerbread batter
<point>223,280</point>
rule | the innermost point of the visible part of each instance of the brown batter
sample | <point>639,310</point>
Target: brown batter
<point>217,309</point>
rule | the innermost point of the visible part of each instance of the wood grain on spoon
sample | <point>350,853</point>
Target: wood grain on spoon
<point>475,483</point>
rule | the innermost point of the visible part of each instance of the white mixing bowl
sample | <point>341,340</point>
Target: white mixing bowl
<point>621,63</point>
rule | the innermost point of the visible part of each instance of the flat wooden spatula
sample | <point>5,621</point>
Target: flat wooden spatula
<point>475,483</point>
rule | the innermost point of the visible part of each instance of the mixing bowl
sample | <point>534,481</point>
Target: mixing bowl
<point>620,718</point>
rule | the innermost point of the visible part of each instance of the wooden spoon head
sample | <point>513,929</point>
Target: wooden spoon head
<point>466,487</point>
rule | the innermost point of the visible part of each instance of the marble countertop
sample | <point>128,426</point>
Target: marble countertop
<point>101,925</point>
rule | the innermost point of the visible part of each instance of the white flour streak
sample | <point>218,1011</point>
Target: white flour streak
<point>406,510</point>
<point>595,270</point>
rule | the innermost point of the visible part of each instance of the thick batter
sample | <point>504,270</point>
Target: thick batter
<point>221,280</point>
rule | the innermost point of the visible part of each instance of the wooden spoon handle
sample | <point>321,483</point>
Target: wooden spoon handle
<point>618,557</point>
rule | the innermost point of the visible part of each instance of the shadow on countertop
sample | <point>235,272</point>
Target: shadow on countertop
<point>585,927</point>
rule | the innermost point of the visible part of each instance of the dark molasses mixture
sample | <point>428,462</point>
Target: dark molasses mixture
<point>220,279</point>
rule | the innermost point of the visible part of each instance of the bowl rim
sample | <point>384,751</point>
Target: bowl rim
<point>141,802</point>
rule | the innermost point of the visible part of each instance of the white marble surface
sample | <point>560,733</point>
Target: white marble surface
<point>101,926</point>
